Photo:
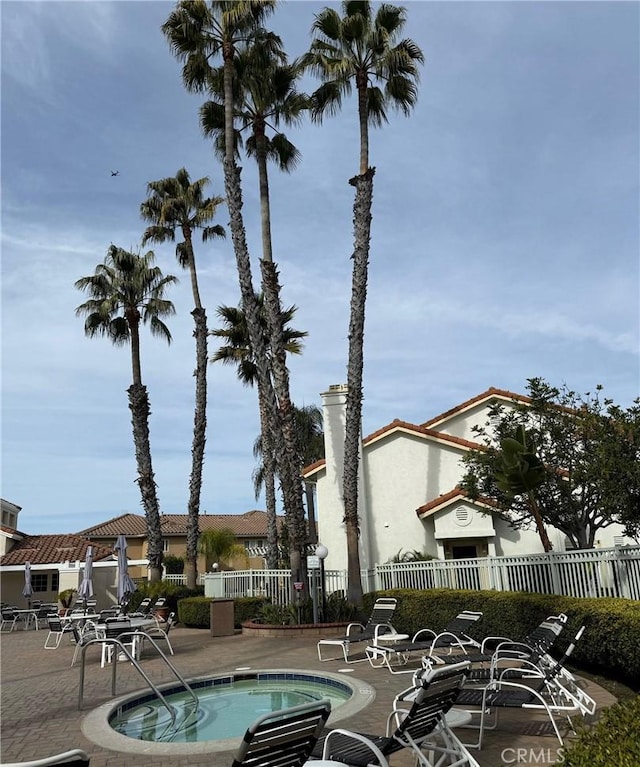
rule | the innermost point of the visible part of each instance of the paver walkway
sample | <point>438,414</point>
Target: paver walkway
<point>39,698</point>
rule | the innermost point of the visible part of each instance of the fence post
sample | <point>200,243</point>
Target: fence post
<point>555,576</point>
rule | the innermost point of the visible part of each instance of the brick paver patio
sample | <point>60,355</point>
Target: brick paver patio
<point>39,697</point>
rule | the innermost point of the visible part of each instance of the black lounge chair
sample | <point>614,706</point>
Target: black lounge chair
<point>420,725</point>
<point>379,623</point>
<point>283,738</point>
<point>538,642</point>
<point>426,641</point>
<point>551,689</point>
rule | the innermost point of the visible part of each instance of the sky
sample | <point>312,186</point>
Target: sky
<point>505,237</point>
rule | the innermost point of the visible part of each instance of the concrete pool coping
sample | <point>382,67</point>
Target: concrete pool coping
<point>95,725</point>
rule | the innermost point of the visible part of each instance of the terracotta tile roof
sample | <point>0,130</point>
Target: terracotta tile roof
<point>402,426</point>
<point>453,495</point>
<point>422,431</point>
<point>49,549</point>
<point>251,524</point>
<point>490,393</point>
<point>131,525</point>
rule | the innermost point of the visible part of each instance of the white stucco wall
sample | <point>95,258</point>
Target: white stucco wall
<point>402,471</point>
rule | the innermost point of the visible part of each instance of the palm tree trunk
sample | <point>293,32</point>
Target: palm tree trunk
<point>193,273</point>
<point>198,445</point>
<point>268,464</point>
<point>311,512</point>
<point>353,416</point>
<point>140,410</point>
<point>361,86</point>
<point>290,479</point>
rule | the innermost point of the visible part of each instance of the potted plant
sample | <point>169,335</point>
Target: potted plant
<point>66,598</point>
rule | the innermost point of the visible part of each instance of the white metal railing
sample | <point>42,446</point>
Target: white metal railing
<point>613,572</point>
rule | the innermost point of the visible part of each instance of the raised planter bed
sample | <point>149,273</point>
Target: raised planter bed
<point>249,628</point>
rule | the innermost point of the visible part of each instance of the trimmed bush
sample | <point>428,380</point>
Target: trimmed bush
<point>610,644</point>
<point>613,742</point>
<point>196,611</point>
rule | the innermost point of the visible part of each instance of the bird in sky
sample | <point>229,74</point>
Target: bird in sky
<point>115,172</point>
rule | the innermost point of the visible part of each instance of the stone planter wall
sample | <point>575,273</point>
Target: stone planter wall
<point>249,628</point>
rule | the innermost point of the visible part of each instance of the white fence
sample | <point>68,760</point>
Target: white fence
<point>613,572</point>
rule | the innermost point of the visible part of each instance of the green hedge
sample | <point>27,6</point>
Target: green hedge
<point>613,742</point>
<point>196,611</point>
<point>610,644</point>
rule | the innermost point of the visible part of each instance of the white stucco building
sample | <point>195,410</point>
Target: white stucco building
<point>408,496</point>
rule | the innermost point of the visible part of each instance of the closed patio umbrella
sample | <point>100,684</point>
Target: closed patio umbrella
<point>86,587</point>
<point>27,591</point>
<point>126,586</point>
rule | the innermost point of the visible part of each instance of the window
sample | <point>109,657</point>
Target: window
<point>165,545</point>
<point>55,581</point>
<point>40,582</point>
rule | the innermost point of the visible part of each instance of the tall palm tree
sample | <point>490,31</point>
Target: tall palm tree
<point>197,33</point>
<point>128,289</point>
<point>177,203</point>
<point>360,48</point>
<point>310,440</point>
<point>265,96</point>
<point>238,351</point>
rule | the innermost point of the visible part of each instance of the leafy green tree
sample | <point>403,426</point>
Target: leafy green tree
<point>175,203</point>
<point>237,351</point>
<point>360,48</point>
<point>128,289</point>
<point>589,449</point>
<point>220,547</point>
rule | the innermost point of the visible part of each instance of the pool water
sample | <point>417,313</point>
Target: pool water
<point>227,706</point>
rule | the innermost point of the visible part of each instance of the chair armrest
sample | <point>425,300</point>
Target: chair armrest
<point>454,641</point>
<point>378,631</point>
<point>355,736</point>
<point>354,625</point>
<point>416,636</point>
<point>497,640</point>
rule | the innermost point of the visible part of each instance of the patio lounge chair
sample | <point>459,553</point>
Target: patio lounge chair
<point>10,619</point>
<point>420,725</point>
<point>379,623</point>
<point>57,629</point>
<point>426,641</point>
<point>74,758</point>
<point>552,690</point>
<point>539,641</point>
<point>160,632</point>
<point>283,738</point>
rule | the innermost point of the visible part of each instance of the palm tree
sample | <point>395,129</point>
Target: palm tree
<point>197,33</point>
<point>310,439</point>
<point>265,96</point>
<point>360,48</point>
<point>174,203</point>
<point>125,290</point>
<point>238,351</point>
<point>220,546</point>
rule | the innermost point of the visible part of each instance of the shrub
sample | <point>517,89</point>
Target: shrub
<point>173,565</point>
<point>612,626</point>
<point>196,611</point>
<point>614,740</point>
